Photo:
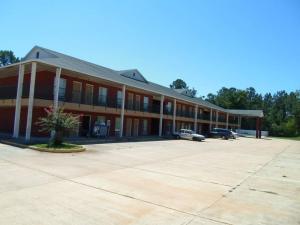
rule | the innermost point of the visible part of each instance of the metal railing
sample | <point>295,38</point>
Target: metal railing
<point>46,92</point>
<point>187,114</point>
<point>222,119</point>
<point>204,116</point>
<point>8,92</point>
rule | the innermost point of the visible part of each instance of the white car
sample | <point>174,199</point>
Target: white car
<point>190,135</point>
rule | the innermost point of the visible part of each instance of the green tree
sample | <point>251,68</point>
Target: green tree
<point>181,84</point>
<point>59,123</point>
<point>178,84</point>
<point>281,110</point>
<point>7,57</point>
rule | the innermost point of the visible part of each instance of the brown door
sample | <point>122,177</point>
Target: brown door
<point>136,127</point>
<point>128,126</point>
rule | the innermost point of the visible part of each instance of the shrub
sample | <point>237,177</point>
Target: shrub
<point>58,123</point>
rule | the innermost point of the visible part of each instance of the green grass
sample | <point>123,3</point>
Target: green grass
<point>62,146</point>
<point>289,138</point>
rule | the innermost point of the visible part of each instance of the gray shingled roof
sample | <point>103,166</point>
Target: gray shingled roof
<point>74,64</point>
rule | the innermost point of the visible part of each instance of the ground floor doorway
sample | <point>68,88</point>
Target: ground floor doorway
<point>154,126</point>
<point>136,123</point>
<point>128,128</point>
<point>85,126</point>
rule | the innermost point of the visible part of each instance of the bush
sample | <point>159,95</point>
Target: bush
<point>58,123</point>
<point>287,128</point>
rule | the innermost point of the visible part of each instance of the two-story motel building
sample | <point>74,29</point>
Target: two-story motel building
<point>132,105</point>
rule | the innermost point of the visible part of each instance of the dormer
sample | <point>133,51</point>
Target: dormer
<point>185,92</point>
<point>133,74</point>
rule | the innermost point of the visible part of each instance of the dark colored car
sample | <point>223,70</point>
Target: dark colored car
<point>221,133</point>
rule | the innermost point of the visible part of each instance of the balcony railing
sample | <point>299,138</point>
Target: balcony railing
<point>187,114</point>
<point>222,119</point>
<point>233,120</point>
<point>204,116</point>
<point>168,110</point>
<point>46,92</point>
<point>8,92</point>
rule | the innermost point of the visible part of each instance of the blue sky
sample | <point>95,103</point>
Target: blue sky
<point>209,44</point>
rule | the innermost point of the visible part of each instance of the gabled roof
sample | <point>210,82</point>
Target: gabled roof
<point>133,74</point>
<point>48,56</point>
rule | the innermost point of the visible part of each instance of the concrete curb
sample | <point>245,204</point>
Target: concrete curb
<point>58,150</point>
<point>53,150</point>
<point>15,144</point>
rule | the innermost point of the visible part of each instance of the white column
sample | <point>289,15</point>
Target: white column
<point>30,101</point>
<point>196,115</point>
<point>217,119</point>
<point>210,120</point>
<point>18,101</point>
<point>161,114</point>
<point>122,110</point>
<point>174,116</point>
<point>56,85</point>
<point>227,120</point>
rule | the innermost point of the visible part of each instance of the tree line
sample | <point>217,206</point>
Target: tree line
<point>281,109</point>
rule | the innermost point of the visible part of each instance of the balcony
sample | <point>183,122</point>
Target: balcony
<point>187,114</point>
<point>204,117</point>
<point>8,92</point>
<point>168,110</point>
<point>142,108</point>
<point>41,92</point>
<point>222,119</point>
<point>233,120</point>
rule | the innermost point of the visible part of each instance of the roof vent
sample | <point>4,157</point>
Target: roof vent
<point>37,55</point>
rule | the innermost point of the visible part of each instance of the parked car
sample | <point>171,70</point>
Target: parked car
<point>221,133</point>
<point>188,134</point>
<point>234,134</point>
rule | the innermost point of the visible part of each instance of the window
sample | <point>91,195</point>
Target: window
<point>145,127</point>
<point>191,109</point>
<point>146,104</point>
<point>130,101</point>
<point>169,107</point>
<point>102,98</point>
<point>89,94</point>
<point>119,99</point>
<point>62,88</point>
<point>117,126</point>
<point>76,92</point>
<point>178,109</point>
<point>138,102</point>
<point>183,110</point>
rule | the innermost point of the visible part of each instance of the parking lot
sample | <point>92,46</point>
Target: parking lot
<point>174,182</point>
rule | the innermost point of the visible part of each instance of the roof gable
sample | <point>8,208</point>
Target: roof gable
<point>38,53</point>
<point>133,74</point>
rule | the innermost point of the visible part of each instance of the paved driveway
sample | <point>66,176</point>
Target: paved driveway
<point>178,182</point>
